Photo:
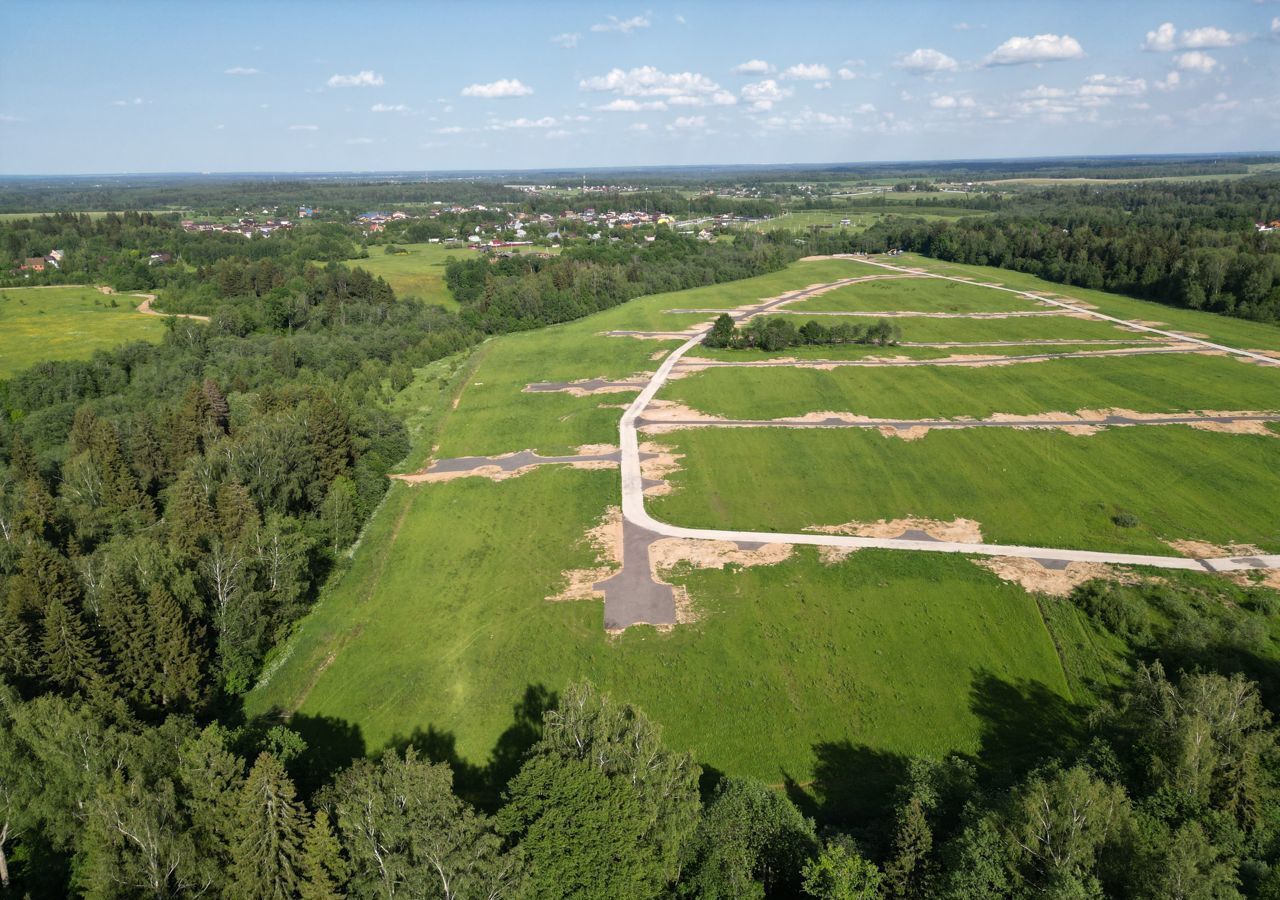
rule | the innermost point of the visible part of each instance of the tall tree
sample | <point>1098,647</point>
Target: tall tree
<point>267,852</point>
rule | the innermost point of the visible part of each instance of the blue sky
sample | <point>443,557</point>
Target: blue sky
<point>280,86</point>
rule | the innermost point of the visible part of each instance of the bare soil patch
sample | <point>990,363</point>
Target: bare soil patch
<point>1205,550</point>
<point>962,531</point>
<point>1037,579</point>
<point>667,553</point>
<point>657,467</point>
<point>606,539</point>
<point>495,472</point>
<point>830,556</point>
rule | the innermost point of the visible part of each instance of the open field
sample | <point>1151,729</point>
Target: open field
<point>446,626</point>
<point>1043,488</point>
<point>860,216</point>
<point>441,623</point>
<point>418,273</point>
<point>1171,383</point>
<point>66,323</point>
<point>918,294</point>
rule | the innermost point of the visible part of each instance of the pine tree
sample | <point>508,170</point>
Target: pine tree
<point>69,657</point>
<point>268,847</point>
<point>82,431</point>
<point>177,655</point>
<point>324,870</point>
<point>21,459</point>
<point>905,872</point>
<point>236,512</point>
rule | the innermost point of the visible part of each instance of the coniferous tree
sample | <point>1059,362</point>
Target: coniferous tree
<point>69,657</point>
<point>175,680</point>
<point>267,851</point>
<point>324,870</point>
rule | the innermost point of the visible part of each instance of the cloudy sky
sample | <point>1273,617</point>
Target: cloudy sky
<point>129,86</point>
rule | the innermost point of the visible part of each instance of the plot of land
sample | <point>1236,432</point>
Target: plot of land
<point>66,323</point>
<point>916,294</point>
<point>1042,488</point>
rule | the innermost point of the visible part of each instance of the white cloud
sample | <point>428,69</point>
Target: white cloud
<point>925,60</point>
<point>807,72</point>
<point>240,70</point>
<point>752,67</point>
<point>136,101</point>
<point>360,140</point>
<point>623,104</point>
<point>1210,38</point>
<point>821,85</point>
<point>1169,82</point>
<point>686,122</point>
<point>451,129</point>
<point>364,78</point>
<point>676,88</point>
<point>1042,92</point>
<point>389,108</point>
<point>568,40</point>
<point>558,134</point>
<point>1195,61</point>
<point>680,20</point>
<point>1162,40</point>
<point>866,108</point>
<point>544,122</point>
<point>638,127</point>
<point>622,25</point>
<point>1113,86</point>
<point>1275,25</point>
<point>304,127</point>
<point>9,120</point>
<point>808,120</point>
<point>947,101</point>
<point>503,87</point>
<point>1166,39</point>
<point>219,127</point>
<point>763,94</point>
<point>846,74</point>
<point>1038,49</point>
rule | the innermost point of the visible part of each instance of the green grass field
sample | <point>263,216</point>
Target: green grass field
<point>1171,383</point>
<point>440,624</point>
<point>38,324</point>
<point>418,273</point>
<point>915,294</point>
<point>1043,488</point>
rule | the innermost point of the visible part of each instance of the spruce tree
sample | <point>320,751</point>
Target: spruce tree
<point>124,623</point>
<point>219,409</point>
<point>68,655</point>
<point>324,870</point>
<point>330,437</point>
<point>189,515</point>
<point>177,655</point>
<point>266,854</point>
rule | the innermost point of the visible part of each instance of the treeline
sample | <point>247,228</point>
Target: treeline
<point>1191,245</point>
<point>525,291</point>
<point>656,201</point>
<point>778,332</point>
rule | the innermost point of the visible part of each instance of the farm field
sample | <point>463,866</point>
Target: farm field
<point>70,322</point>
<point>418,273</point>
<point>1042,488</point>
<point>442,624</point>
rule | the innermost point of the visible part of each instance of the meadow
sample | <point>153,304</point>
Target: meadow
<point>916,294</point>
<point>69,322</point>
<point>1171,383</point>
<point>1042,488</point>
<point>440,626</point>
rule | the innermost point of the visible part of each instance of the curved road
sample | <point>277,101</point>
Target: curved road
<point>633,509</point>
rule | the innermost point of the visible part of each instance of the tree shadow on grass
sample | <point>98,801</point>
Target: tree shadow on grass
<point>1022,724</point>
<point>483,785</point>
<point>852,784</point>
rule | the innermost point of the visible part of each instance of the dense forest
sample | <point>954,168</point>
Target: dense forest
<point>1192,245</point>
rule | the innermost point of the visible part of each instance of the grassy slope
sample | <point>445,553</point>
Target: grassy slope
<point>1043,488</point>
<point>919,294</point>
<point>1143,383</point>
<point>66,323</point>
<point>441,620</point>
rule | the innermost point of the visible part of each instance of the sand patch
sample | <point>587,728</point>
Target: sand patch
<point>656,467</point>
<point>586,387</point>
<point>914,433</point>
<point>1037,579</point>
<point>1254,427</point>
<point>670,411</point>
<point>606,539</point>
<point>666,553</point>
<point>1205,550</point>
<point>657,355</point>
<point>961,531</point>
<point>830,556</point>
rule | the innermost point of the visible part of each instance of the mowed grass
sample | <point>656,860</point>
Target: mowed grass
<point>870,351</point>
<point>1042,488</point>
<point>1172,383</point>
<point>418,273</point>
<point>1227,330</point>
<point>442,623</point>
<point>38,324</point>
<point>917,294</point>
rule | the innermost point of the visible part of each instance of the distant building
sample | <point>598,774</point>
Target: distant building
<point>32,264</point>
